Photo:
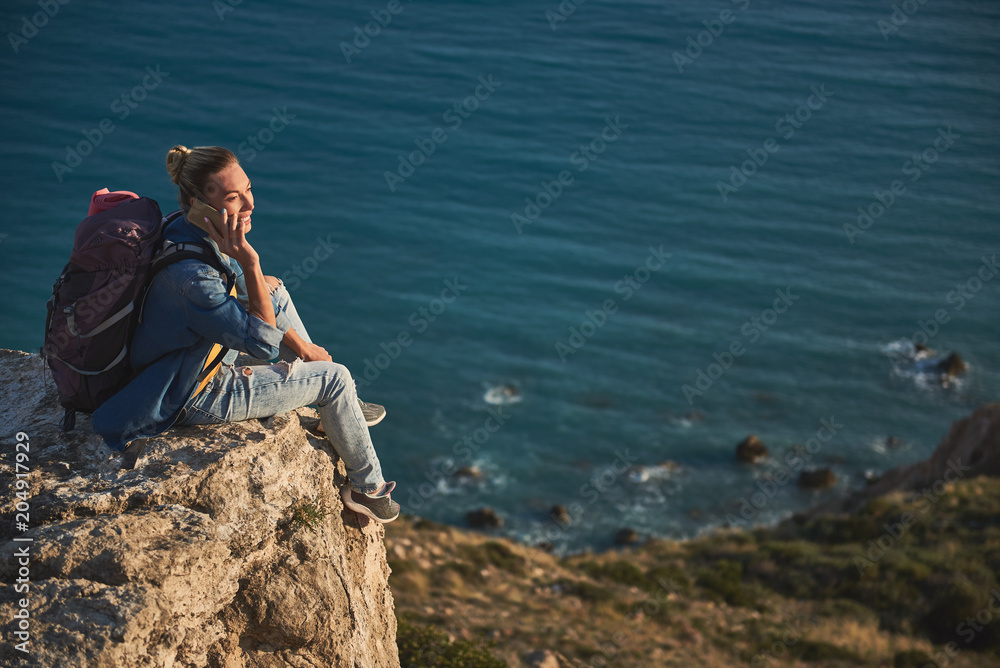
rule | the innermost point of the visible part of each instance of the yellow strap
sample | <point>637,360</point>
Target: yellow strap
<point>211,355</point>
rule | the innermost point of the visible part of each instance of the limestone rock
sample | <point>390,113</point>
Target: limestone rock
<point>190,559</point>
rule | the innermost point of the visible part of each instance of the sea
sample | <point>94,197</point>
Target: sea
<point>579,250</point>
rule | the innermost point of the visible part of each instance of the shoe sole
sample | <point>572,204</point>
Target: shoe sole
<point>345,496</point>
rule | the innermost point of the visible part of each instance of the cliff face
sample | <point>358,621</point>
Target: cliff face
<point>970,449</point>
<point>203,555</point>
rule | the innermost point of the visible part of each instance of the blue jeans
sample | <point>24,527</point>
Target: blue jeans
<point>243,392</point>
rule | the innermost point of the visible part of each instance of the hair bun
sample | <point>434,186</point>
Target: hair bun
<point>175,161</point>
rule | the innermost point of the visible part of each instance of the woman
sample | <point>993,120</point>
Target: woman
<point>188,309</point>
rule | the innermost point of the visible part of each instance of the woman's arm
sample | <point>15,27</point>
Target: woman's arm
<point>232,241</point>
<point>258,294</point>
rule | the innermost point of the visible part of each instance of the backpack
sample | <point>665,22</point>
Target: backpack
<point>97,301</point>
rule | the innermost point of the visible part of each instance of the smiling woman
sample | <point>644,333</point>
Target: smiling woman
<point>195,324</point>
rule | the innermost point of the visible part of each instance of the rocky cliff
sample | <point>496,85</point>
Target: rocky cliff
<point>226,546</point>
<point>971,448</point>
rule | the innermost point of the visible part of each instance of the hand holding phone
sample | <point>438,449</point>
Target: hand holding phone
<point>200,211</point>
<point>224,230</point>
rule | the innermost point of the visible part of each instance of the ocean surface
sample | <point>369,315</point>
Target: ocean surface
<point>572,242</point>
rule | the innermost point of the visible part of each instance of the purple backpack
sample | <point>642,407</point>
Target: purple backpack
<point>97,301</point>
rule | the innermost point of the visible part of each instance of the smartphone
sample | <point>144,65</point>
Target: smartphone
<point>200,210</point>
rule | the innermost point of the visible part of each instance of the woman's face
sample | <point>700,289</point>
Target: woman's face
<point>229,189</point>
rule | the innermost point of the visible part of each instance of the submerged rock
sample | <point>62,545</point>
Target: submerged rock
<point>193,557</point>
<point>484,518</point>
<point>751,450</point>
<point>559,513</point>
<point>817,479</point>
<point>469,473</point>
<point>971,448</point>
<point>951,367</point>
<point>627,536</point>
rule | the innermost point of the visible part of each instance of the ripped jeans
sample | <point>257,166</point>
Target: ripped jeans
<point>238,393</point>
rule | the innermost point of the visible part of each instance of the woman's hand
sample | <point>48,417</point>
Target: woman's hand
<point>232,240</point>
<point>310,352</point>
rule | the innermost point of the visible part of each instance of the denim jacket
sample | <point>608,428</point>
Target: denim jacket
<point>187,310</point>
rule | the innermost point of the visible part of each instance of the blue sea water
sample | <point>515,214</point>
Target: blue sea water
<point>618,121</point>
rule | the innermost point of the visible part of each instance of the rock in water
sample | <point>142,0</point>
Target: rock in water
<point>750,450</point>
<point>468,473</point>
<point>971,448</point>
<point>952,366</point>
<point>484,518</point>
<point>560,514</point>
<point>817,479</point>
<point>192,558</point>
<point>627,536</point>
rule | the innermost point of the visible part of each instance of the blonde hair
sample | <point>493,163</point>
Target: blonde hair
<point>190,169</point>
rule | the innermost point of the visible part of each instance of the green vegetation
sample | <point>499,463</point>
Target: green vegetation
<point>893,586</point>
<point>496,554</point>
<point>423,647</point>
<point>308,515</point>
<point>724,581</point>
<point>926,578</point>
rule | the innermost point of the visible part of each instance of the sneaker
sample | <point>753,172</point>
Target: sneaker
<point>373,412</point>
<point>373,415</point>
<point>381,509</point>
<point>384,490</point>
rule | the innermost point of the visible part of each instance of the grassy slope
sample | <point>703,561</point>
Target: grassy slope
<point>815,593</point>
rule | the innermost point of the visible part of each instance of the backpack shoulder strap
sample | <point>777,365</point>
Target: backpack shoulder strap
<point>187,250</point>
